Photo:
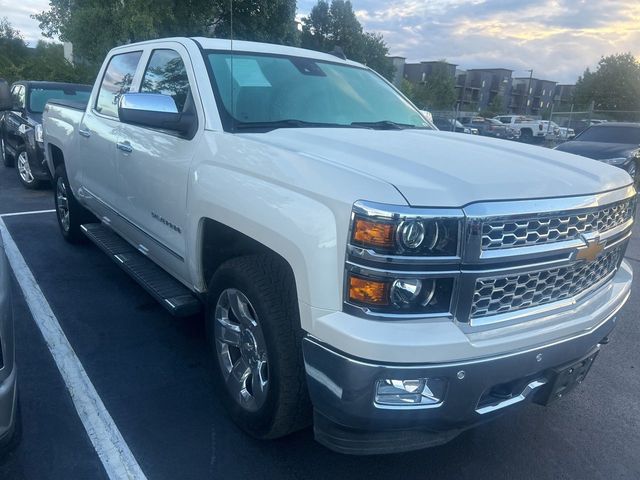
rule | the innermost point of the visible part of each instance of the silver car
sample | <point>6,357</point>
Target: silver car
<point>8,371</point>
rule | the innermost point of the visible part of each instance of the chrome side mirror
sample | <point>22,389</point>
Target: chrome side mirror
<point>156,111</point>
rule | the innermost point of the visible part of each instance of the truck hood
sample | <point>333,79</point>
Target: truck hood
<point>598,150</point>
<point>432,168</point>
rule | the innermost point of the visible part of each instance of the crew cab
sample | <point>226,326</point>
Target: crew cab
<point>21,126</point>
<point>358,269</point>
<point>531,130</point>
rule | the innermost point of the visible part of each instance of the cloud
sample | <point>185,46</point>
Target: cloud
<point>19,15</point>
<point>557,38</point>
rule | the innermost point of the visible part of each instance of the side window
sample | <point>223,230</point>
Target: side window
<point>17,93</point>
<point>167,75</point>
<point>116,81</point>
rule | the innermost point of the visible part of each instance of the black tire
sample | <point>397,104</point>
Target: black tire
<point>33,183</point>
<point>6,159</point>
<point>77,214</point>
<point>267,282</point>
<point>526,136</point>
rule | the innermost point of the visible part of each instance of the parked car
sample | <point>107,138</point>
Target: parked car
<point>9,410</point>
<point>21,126</point>
<point>451,125</point>
<point>613,143</point>
<point>531,130</point>
<point>555,132</point>
<point>393,284</point>
<point>489,127</point>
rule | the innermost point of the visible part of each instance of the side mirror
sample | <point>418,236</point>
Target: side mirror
<point>6,102</point>
<point>155,110</point>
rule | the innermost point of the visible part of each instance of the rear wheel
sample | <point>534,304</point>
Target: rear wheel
<point>23,168</point>
<point>71,215</point>
<point>526,135</point>
<point>255,338</point>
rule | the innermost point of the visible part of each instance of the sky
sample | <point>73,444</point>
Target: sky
<point>555,38</point>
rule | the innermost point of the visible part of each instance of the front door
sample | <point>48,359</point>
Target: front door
<point>154,164</point>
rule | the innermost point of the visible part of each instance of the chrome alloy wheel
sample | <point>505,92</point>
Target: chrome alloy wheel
<point>62,204</point>
<point>241,349</point>
<point>24,169</point>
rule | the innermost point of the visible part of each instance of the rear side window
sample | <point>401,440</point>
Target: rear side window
<point>167,75</point>
<point>116,81</point>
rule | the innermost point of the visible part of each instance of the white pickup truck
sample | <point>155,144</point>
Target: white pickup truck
<point>530,129</point>
<point>391,283</point>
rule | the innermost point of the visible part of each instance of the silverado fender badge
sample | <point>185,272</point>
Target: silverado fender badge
<point>593,249</point>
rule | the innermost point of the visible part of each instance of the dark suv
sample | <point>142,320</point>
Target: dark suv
<point>21,126</point>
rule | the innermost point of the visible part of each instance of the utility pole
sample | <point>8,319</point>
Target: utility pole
<point>524,109</point>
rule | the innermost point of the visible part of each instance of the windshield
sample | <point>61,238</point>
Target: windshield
<point>273,91</point>
<point>38,97</point>
<point>618,134</point>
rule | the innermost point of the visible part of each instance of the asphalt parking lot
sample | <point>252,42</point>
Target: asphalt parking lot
<point>151,372</point>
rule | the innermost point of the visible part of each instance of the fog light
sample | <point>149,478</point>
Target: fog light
<point>415,392</point>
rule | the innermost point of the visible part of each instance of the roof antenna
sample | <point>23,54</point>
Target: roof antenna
<point>338,52</point>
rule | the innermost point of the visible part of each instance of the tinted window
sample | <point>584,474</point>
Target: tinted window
<point>116,81</point>
<point>267,89</point>
<point>38,97</point>
<point>18,96</point>
<point>166,74</point>
<point>618,134</point>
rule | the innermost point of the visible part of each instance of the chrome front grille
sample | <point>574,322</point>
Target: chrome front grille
<point>504,294</point>
<point>548,228</point>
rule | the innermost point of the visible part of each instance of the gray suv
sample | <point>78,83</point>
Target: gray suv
<point>8,373</point>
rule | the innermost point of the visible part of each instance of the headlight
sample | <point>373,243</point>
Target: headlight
<point>414,236</point>
<point>392,255</point>
<point>38,133</point>
<point>614,161</point>
<point>400,295</point>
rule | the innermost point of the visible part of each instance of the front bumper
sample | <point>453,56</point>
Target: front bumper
<point>348,420</point>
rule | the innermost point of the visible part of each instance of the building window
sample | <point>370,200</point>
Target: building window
<point>544,92</point>
<point>483,83</point>
<point>424,75</point>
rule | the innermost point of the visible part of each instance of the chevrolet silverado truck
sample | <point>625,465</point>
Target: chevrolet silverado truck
<point>392,284</point>
<point>531,130</point>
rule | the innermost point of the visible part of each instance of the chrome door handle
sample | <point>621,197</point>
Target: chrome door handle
<point>125,147</point>
<point>84,133</point>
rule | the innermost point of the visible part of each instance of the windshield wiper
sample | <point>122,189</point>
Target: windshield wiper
<point>384,125</point>
<point>289,123</point>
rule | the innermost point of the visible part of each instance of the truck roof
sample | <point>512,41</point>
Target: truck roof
<point>46,85</point>
<point>244,46</point>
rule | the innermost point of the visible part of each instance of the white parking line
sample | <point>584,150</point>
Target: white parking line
<point>114,453</point>
<point>15,214</point>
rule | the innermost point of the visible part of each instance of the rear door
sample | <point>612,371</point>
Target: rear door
<point>155,164</point>
<point>98,136</point>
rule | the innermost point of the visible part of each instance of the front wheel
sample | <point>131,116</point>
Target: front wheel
<point>24,170</point>
<point>71,215</point>
<point>255,338</point>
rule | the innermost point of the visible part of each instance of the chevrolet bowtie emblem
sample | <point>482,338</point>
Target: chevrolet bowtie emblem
<point>594,248</point>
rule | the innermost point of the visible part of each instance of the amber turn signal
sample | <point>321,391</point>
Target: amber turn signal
<point>367,291</point>
<point>373,234</point>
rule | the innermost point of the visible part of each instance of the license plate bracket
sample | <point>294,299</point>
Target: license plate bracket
<point>566,378</point>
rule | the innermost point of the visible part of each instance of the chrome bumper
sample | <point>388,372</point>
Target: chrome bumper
<point>348,420</point>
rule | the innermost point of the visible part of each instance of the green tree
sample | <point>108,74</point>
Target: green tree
<point>13,50</point>
<point>96,26</point>
<point>495,107</point>
<point>614,85</point>
<point>335,25</point>
<point>436,92</point>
